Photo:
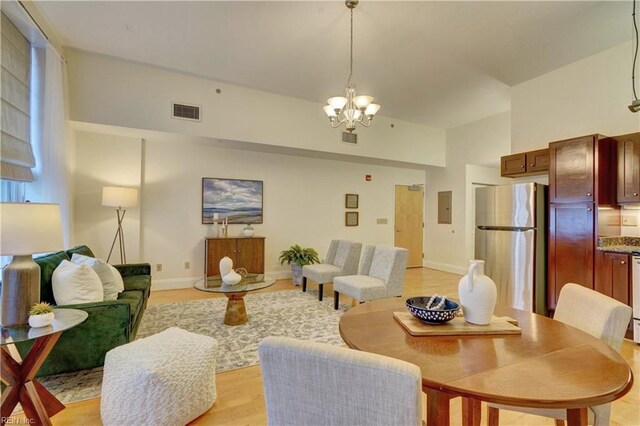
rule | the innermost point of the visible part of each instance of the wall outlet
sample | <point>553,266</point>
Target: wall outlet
<point>187,265</point>
<point>158,267</point>
<point>381,221</point>
<point>629,220</point>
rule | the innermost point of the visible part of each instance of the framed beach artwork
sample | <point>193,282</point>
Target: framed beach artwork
<point>238,201</point>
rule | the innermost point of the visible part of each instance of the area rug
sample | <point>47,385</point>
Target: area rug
<point>280,313</point>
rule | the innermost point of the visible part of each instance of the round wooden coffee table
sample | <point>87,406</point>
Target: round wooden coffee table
<point>236,313</point>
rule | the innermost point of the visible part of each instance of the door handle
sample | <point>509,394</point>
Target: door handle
<point>398,230</point>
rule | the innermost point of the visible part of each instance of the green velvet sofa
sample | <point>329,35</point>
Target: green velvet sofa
<point>110,323</point>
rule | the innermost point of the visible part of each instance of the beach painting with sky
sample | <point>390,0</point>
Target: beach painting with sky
<point>238,201</point>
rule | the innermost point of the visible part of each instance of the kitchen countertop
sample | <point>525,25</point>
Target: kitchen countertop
<point>619,244</point>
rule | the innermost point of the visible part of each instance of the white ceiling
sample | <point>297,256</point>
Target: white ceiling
<point>441,63</point>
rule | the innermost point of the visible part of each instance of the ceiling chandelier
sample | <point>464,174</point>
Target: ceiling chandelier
<point>351,109</point>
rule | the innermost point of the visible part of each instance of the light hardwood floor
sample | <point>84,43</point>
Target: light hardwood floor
<point>240,393</point>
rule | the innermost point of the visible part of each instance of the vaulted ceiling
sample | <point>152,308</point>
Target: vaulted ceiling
<point>440,63</point>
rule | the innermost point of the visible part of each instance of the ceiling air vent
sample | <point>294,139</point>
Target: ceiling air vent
<point>350,138</point>
<point>185,111</point>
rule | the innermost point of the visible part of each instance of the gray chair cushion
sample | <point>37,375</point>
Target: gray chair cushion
<point>360,287</point>
<point>321,272</point>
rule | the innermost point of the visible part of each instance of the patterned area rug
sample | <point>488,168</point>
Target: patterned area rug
<point>280,313</point>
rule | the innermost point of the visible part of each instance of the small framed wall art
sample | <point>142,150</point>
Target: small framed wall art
<point>351,201</point>
<point>351,219</point>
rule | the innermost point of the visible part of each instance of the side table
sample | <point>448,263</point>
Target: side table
<point>19,375</point>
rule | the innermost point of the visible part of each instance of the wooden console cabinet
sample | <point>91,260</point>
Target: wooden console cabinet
<point>246,253</point>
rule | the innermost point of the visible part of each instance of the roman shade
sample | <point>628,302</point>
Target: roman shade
<point>16,155</point>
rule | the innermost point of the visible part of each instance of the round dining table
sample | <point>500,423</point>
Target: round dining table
<point>549,365</point>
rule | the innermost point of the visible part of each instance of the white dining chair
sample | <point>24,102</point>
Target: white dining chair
<point>310,383</point>
<point>342,259</point>
<point>381,274</point>
<point>596,314</point>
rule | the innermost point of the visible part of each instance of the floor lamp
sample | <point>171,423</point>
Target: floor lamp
<point>25,229</point>
<point>121,198</point>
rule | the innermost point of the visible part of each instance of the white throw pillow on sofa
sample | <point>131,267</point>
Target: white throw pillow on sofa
<point>102,268</point>
<point>74,284</point>
<point>118,278</point>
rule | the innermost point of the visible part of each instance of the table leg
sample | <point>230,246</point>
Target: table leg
<point>577,416</point>
<point>37,402</point>
<point>236,313</point>
<point>437,408</point>
<point>471,412</point>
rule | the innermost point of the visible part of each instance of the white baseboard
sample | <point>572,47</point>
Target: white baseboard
<point>178,283</point>
<point>446,267</point>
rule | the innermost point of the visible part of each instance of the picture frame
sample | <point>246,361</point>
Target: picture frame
<point>351,219</point>
<point>236,200</point>
<point>351,201</point>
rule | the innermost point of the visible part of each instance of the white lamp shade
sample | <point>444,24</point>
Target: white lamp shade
<point>329,111</point>
<point>117,196</point>
<point>337,102</point>
<point>362,101</point>
<point>372,109</point>
<point>28,228</point>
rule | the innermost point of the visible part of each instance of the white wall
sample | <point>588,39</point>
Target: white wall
<point>585,97</point>
<point>630,230</point>
<point>303,200</point>
<point>105,160</point>
<point>115,92</point>
<point>483,142</point>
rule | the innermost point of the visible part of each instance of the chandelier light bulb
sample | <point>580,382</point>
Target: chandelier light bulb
<point>362,101</point>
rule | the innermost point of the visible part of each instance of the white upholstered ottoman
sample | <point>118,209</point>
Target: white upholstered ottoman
<point>164,379</point>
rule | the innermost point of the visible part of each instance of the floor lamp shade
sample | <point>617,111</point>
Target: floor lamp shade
<point>25,229</point>
<point>118,196</point>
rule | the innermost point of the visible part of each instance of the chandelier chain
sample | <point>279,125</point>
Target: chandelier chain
<point>351,52</point>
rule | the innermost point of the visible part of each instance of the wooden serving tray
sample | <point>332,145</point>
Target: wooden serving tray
<point>457,326</point>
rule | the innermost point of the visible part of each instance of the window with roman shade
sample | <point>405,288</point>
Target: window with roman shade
<point>16,154</point>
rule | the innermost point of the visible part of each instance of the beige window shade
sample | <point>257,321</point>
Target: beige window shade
<point>16,155</point>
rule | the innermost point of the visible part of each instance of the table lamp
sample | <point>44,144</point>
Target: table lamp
<point>120,197</point>
<point>25,229</point>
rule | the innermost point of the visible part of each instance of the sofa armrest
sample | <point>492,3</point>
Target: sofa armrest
<point>131,269</point>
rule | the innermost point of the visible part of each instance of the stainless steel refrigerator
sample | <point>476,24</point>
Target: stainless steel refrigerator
<point>511,239</point>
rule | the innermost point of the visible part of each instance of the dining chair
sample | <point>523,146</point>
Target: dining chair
<point>381,274</point>
<point>310,383</point>
<point>596,314</point>
<point>342,259</point>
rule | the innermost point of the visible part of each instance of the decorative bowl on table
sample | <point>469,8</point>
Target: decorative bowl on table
<point>433,314</point>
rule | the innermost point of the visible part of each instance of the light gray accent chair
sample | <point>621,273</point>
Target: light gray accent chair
<point>381,274</point>
<point>596,314</point>
<point>310,383</point>
<point>342,259</point>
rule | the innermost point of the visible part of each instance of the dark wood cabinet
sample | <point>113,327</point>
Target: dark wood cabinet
<point>628,168</point>
<point>582,170</point>
<point>571,247</point>
<point>613,272</point>
<point>525,163</point>
<point>246,253</point>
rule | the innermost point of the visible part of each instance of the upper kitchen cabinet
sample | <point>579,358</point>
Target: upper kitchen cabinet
<point>629,168</point>
<point>525,163</point>
<point>582,170</point>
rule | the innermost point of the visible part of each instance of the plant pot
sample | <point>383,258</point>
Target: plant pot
<point>42,320</point>
<point>297,274</point>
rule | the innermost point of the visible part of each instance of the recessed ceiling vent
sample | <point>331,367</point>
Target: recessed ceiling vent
<point>350,138</point>
<point>185,111</point>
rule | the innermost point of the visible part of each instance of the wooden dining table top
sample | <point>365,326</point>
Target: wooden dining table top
<point>550,365</point>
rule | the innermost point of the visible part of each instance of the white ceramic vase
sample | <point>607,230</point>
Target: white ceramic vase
<point>42,320</point>
<point>226,266</point>
<point>248,231</point>
<point>232,278</point>
<point>477,294</point>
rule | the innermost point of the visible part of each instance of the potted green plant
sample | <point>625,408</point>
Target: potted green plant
<point>40,315</point>
<point>297,257</point>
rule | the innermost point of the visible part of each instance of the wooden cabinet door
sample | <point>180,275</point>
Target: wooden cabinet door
<point>513,164</point>
<point>251,254</point>
<point>571,247</point>
<point>629,168</point>
<point>571,171</point>
<point>538,161</point>
<point>216,249</point>
<point>614,276</point>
